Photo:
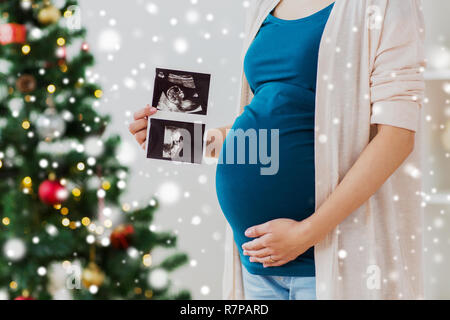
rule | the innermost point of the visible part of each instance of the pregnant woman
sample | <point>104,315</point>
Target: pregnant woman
<point>281,69</point>
<point>333,90</point>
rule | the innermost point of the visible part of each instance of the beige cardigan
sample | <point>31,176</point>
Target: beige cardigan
<point>371,63</point>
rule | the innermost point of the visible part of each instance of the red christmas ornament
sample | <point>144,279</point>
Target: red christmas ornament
<point>52,192</point>
<point>12,33</point>
<point>24,298</point>
<point>121,236</point>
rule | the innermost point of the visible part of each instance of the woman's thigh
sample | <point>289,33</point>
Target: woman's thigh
<point>257,287</point>
<point>302,288</point>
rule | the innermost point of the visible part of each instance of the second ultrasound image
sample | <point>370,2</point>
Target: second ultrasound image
<point>176,141</point>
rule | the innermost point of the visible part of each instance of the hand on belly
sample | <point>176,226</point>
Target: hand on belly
<point>278,241</point>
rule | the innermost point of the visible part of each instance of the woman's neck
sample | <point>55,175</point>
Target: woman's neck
<point>297,9</point>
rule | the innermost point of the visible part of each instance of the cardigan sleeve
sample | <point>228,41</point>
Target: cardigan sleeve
<point>396,82</point>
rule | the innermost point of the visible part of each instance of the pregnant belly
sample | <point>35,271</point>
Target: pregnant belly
<point>248,198</point>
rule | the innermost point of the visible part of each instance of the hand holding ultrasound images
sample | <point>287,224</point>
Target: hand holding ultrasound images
<point>176,132</point>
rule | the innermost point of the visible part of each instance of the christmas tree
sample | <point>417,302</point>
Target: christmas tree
<point>64,232</point>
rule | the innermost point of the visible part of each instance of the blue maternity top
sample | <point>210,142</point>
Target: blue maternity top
<point>281,68</point>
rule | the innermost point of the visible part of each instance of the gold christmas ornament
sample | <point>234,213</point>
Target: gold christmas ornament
<point>49,15</point>
<point>92,275</point>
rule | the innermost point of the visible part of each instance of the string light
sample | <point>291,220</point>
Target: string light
<point>107,223</point>
<point>6,221</point>
<point>98,93</point>
<point>76,192</point>
<point>80,166</point>
<point>106,185</point>
<point>64,211</point>
<point>126,207</point>
<point>99,230</point>
<point>51,88</point>
<point>65,222</point>
<point>26,49</point>
<point>137,290</point>
<point>26,124</point>
<point>85,221</point>
<point>147,260</point>
<point>29,98</point>
<point>61,42</point>
<point>27,182</point>
<point>1,164</point>
<point>13,285</point>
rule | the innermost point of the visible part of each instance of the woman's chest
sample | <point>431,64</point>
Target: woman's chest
<point>284,53</point>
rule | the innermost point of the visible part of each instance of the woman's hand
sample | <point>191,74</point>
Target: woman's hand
<point>278,241</point>
<point>138,127</point>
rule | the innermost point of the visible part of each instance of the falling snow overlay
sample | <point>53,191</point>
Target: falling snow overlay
<point>206,35</point>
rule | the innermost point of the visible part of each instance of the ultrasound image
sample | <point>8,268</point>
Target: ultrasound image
<point>180,91</point>
<point>175,140</point>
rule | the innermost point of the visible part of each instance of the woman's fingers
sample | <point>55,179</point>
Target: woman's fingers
<point>137,126</point>
<point>269,261</point>
<point>257,243</point>
<point>143,113</point>
<point>258,253</point>
<point>266,259</point>
<point>275,264</point>
<point>141,136</point>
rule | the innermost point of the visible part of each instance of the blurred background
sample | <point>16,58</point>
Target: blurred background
<point>202,36</point>
<point>129,39</point>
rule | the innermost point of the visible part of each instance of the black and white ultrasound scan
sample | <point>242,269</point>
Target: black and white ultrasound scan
<point>181,91</point>
<point>175,141</point>
<point>176,131</point>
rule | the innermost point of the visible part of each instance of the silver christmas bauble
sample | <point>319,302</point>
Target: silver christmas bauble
<point>50,125</point>
<point>14,249</point>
